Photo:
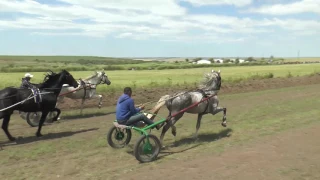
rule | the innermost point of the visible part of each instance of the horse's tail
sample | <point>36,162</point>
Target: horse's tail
<point>157,107</point>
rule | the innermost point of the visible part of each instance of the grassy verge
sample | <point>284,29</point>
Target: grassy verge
<point>181,77</point>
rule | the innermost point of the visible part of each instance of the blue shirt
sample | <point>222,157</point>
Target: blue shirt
<point>125,108</point>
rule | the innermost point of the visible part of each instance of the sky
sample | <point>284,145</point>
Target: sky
<point>161,28</point>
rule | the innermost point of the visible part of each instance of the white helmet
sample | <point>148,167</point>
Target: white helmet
<point>28,75</point>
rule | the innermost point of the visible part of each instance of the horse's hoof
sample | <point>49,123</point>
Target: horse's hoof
<point>164,147</point>
<point>195,137</point>
<point>224,124</point>
<point>12,138</point>
<point>38,134</point>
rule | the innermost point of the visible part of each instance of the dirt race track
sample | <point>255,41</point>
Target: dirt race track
<point>290,155</point>
<point>271,134</point>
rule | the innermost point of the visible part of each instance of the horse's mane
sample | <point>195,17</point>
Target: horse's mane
<point>49,77</point>
<point>208,80</point>
<point>91,76</point>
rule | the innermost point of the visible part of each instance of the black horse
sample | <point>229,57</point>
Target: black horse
<point>11,96</point>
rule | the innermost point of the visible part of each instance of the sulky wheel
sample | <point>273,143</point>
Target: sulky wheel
<point>118,138</point>
<point>33,118</point>
<point>147,149</point>
<point>51,115</point>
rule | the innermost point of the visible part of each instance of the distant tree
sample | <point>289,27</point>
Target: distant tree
<point>211,60</point>
<point>237,61</point>
<point>250,59</point>
<point>197,59</point>
<point>226,61</point>
<point>271,57</point>
<point>187,60</point>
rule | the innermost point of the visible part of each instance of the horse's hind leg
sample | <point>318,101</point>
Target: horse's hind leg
<point>5,125</point>
<point>170,123</point>
<point>164,130</point>
<point>43,118</point>
<point>58,114</point>
<point>174,120</point>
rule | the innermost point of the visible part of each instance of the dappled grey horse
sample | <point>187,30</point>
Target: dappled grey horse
<point>88,89</point>
<point>177,102</point>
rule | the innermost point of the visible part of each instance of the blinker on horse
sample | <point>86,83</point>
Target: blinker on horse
<point>52,85</point>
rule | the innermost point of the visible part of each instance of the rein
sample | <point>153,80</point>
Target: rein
<point>21,102</point>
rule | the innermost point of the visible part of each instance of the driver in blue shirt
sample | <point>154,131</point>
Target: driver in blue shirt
<point>127,113</point>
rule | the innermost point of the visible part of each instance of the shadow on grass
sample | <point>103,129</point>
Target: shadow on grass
<point>202,138</point>
<point>31,139</point>
<point>89,115</point>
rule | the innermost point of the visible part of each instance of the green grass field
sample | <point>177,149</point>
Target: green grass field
<point>88,63</point>
<point>160,78</point>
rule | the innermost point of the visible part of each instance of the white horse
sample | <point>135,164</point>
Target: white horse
<point>86,89</point>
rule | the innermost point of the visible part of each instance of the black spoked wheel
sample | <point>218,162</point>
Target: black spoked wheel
<point>118,138</point>
<point>33,118</point>
<point>147,149</point>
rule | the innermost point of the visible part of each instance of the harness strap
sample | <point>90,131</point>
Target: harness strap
<point>37,95</point>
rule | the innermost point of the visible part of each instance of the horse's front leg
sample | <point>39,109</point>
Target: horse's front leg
<point>5,124</point>
<point>82,103</point>
<point>100,99</point>
<point>198,125</point>
<point>224,119</point>
<point>43,118</point>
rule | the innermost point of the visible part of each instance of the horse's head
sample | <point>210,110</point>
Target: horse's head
<point>104,78</point>
<point>67,78</point>
<point>212,81</point>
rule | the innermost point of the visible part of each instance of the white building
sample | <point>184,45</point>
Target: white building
<point>240,60</point>
<point>203,61</point>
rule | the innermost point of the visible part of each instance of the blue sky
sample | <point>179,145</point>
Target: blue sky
<point>166,28</point>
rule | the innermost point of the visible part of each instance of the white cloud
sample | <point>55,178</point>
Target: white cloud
<point>143,19</point>
<point>160,7</point>
<point>219,2</point>
<point>303,6</point>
